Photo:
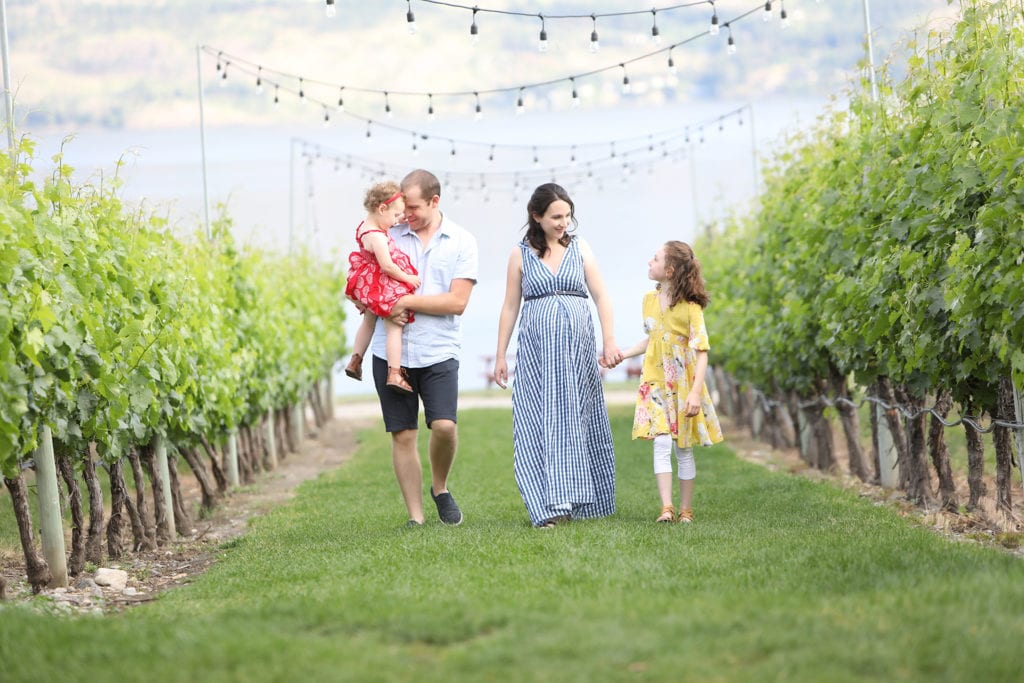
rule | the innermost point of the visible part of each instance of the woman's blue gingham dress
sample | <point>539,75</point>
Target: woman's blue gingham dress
<point>564,456</point>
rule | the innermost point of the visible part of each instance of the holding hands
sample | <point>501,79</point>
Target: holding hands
<point>610,356</point>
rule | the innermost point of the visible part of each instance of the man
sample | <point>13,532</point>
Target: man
<point>445,255</point>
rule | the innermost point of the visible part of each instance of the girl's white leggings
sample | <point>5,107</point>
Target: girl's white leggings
<point>663,447</point>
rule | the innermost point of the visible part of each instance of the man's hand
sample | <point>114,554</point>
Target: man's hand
<point>400,313</point>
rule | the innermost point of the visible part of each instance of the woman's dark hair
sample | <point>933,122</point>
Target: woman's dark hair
<point>686,280</point>
<point>542,198</point>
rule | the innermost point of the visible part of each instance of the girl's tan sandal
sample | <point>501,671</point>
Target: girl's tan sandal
<point>668,513</point>
<point>686,515</point>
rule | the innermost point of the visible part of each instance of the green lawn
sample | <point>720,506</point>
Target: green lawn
<point>780,578</point>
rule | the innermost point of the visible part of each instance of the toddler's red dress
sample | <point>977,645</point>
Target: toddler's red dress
<point>367,285</point>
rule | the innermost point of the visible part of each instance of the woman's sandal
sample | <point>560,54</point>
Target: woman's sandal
<point>668,513</point>
<point>686,515</point>
<point>556,521</point>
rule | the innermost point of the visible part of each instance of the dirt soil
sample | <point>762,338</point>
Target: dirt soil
<point>986,525</point>
<point>152,572</point>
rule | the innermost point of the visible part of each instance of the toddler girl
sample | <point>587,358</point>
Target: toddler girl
<point>379,275</point>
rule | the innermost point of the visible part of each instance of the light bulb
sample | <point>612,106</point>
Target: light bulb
<point>713,29</point>
<point>331,10</point>
<point>542,42</point>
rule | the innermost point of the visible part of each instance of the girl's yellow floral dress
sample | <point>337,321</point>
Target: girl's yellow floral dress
<point>675,336</point>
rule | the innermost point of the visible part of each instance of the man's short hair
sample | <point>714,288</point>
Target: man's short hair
<point>428,183</point>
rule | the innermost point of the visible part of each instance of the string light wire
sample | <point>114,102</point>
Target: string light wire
<point>253,67</point>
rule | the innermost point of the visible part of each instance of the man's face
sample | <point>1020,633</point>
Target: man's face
<point>419,212</point>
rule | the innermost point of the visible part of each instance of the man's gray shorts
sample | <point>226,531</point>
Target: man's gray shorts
<point>437,385</point>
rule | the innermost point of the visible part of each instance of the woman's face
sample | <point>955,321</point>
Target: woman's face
<point>555,220</point>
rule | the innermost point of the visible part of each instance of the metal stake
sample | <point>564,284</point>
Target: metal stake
<point>202,141</point>
<point>8,100</point>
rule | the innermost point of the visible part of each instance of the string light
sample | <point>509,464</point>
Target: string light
<point>341,98</point>
<point>575,94</point>
<point>713,30</point>
<point>327,118</point>
<point>783,17</point>
<point>490,156</point>
<point>671,63</point>
<point>767,16</point>
<point>542,41</point>
<point>594,44</point>
<point>331,11</point>
<point>326,109</point>
<point>259,80</point>
<point>730,46</point>
<point>415,147</point>
<point>430,107</point>
<point>480,94</point>
<point>387,105</point>
<point>479,112</point>
<point>520,107</point>
<point>474,32</point>
<point>223,80</point>
<point>410,19</point>
<point>626,88</point>
<point>655,33</point>
<point>302,93</point>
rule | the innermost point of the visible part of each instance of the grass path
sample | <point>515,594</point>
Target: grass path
<point>781,578</point>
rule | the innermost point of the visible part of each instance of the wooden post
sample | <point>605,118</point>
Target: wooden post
<point>1018,434</point>
<point>298,418</point>
<point>803,431</point>
<point>887,454</point>
<point>271,439</point>
<point>231,466</point>
<point>160,466</point>
<point>51,528</point>
<point>757,416</point>
<point>712,384</point>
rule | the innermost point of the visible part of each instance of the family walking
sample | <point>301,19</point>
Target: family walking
<point>413,258</point>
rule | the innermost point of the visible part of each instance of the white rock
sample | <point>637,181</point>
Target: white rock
<point>130,590</point>
<point>112,578</point>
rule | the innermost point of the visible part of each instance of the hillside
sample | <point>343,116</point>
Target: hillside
<point>132,63</point>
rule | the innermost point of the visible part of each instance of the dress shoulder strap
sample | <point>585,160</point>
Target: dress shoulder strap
<point>360,231</point>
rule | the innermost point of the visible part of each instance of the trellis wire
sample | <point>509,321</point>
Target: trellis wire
<point>910,414</point>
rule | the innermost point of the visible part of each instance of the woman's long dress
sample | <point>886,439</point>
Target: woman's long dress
<point>564,455</point>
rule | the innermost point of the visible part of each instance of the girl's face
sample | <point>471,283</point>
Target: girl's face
<point>391,214</point>
<point>555,220</point>
<point>656,268</point>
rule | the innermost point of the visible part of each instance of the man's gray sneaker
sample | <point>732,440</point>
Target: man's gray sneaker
<point>447,509</point>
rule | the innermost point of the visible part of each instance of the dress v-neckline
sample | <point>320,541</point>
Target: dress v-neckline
<point>662,309</point>
<point>558,268</point>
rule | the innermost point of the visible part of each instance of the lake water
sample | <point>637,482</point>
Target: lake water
<point>277,196</point>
